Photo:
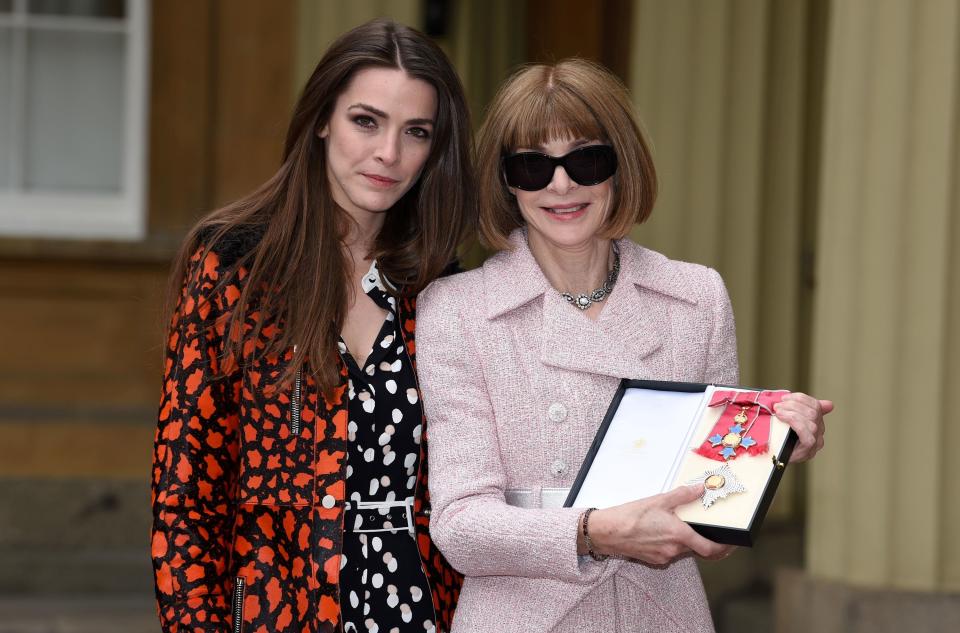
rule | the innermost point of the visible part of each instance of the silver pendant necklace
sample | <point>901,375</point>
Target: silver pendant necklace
<point>583,301</point>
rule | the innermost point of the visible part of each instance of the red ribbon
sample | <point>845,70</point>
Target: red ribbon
<point>760,429</point>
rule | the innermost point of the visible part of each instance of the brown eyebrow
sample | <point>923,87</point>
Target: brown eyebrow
<point>384,115</point>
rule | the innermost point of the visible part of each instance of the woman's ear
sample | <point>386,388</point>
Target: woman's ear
<point>324,132</point>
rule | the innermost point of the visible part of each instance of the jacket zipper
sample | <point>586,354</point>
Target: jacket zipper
<point>295,399</point>
<point>238,585</point>
<point>416,487</point>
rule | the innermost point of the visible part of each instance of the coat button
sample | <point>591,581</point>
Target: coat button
<point>558,468</point>
<point>328,501</point>
<point>557,412</point>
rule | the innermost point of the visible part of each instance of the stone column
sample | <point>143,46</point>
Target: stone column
<point>884,500</point>
<point>487,40</point>
<point>320,23</point>
<point>721,88</point>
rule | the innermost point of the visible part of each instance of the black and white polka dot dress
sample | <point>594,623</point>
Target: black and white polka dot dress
<point>383,587</point>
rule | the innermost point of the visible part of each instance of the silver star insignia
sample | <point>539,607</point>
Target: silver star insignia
<point>717,484</point>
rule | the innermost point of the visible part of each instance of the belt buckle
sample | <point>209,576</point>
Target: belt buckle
<point>408,507</point>
<point>376,505</point>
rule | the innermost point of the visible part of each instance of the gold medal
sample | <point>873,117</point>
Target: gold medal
<point>714,482</point>
<point>732,440</point>
<point>717,484</point>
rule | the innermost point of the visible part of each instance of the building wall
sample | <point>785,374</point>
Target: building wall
<point>80,322</point>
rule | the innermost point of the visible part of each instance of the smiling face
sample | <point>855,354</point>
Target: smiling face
<point>377,140</point>
<point>564,215</point>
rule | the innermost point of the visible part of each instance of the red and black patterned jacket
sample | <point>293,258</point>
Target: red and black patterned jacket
<point>248,480</point>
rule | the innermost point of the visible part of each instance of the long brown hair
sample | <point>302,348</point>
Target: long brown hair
<point>573,98</point>
<point>297,270</point>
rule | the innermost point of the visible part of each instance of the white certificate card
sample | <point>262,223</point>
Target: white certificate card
<point>642,448</point>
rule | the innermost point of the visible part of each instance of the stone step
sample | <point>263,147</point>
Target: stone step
<point>747,614</point>
<point>78,614</point>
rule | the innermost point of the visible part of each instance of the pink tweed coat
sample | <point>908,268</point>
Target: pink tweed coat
<point>515,382</point>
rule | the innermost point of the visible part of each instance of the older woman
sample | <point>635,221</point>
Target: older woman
<point>519,360</point>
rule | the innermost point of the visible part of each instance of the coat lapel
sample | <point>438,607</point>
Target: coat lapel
<point>617,344</point>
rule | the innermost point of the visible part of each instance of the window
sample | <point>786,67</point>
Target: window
<point>73,82</point>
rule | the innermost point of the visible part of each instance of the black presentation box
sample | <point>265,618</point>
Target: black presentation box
<point>659,435</point>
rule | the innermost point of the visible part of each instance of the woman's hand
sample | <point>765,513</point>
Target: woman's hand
<point>804,414</point>
<point>649,530</point>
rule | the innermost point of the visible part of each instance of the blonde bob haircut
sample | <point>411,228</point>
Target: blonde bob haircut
<point>571,99</point>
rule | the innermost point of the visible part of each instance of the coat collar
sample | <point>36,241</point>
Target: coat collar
<point>512,278</point>
<point>630,328</point>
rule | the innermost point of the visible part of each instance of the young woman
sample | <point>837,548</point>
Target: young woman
<point>289,468</point>
<point>519,360</point>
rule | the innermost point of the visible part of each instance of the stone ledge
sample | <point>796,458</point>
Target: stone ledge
<point>75,515</point>
<point>803,603</point>
<point>119,613</point>
<point>155,249</point>
<point>739,588</point>
<point>75,536</point>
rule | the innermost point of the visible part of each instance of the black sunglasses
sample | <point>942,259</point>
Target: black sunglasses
<point>532,171</point>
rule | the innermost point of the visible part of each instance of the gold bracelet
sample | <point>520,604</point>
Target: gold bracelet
<point>586,538</point>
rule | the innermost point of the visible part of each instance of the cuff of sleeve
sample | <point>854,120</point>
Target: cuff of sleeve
<point>576,568</point>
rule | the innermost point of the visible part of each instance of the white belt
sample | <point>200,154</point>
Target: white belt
<point>384,514</point>
<point>536,497</point>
